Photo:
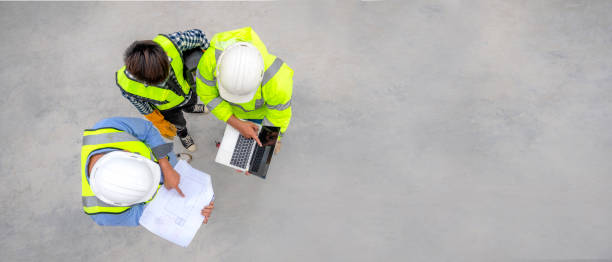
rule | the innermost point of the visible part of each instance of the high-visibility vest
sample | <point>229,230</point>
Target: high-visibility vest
<point>161,97</point>
<point>94,139</point>
<point>272,101</point>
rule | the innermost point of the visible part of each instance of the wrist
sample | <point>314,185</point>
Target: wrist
<point>235,122</point>
<point>164,163</point>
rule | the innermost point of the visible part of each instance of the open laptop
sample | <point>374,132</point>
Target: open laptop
<point>244,154</point>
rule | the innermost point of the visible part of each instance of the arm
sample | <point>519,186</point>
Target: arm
<point>278,99</point>
<point>189,39</point>
<point>171,177</point>
<point>142,106</point>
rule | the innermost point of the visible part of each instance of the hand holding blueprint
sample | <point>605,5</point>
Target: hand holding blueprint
<point>173,217</point>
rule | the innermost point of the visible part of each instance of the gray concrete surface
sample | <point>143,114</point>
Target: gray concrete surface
<point>422,131</point>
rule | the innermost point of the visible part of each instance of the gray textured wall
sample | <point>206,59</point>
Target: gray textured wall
<point>422,130</point>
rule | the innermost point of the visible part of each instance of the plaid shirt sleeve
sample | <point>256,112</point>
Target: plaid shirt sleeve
<point>142,106</point>
<point>189,39</point>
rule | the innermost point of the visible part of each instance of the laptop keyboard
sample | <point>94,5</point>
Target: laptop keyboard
<point>242,151</point>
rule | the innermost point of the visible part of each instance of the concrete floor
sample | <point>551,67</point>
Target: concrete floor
<point>422,131</point>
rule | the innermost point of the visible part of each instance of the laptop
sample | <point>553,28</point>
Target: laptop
<point>245,154</point>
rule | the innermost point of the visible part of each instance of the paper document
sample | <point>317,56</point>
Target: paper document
<point>173,217</point>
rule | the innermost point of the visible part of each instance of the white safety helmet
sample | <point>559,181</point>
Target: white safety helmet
<point>122,178</point>
<point>239,72</point>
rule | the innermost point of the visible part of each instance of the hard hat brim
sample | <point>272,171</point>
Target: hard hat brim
<point>234,98</point>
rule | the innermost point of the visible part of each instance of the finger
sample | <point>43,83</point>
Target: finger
<point>179,191</point>
<point>205,220</point>
<point>239,171</point>
<point>247,173</point>
<point>257,139</point>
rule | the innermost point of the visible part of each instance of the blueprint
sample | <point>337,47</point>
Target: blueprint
<point>175,218</point>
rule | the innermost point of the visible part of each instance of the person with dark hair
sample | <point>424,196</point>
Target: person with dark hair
<point>157,81</point>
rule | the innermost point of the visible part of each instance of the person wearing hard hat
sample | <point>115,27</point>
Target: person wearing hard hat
<point>156,80</point>
<point>124,161</point>
<point>239,80</point>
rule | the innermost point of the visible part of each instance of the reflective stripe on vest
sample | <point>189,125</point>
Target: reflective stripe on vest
<point>162,97</point>
<point>212,82</point>
<point>271,71</point>
<point>105,138</point>
<point>100,139</point>
<point>93,201</point>
<point>258,104</point>
<point>214,103</point>
<point>280,107</point>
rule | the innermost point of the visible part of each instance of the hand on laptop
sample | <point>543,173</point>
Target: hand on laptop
<point>246,128</point>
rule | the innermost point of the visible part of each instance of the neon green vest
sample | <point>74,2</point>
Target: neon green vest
<point>276,84</point>
<point>161,97</point>
<point>106,138</point>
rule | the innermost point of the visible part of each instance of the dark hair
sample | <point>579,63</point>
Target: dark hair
<point>147,61</point>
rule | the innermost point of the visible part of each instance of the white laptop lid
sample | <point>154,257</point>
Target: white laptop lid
<point>226,149</point>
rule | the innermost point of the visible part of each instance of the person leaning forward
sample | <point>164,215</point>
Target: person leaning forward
<point>124,161</point>
<point>157,81</point>
<point>239,80</point>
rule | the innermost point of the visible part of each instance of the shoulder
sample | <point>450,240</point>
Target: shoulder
<point>121,123</point>
<point>280,87</point>
<point>208,60</point>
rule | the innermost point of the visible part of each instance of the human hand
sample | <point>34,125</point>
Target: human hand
<point>249,130</point>
<point>172,180</point>
<point>277,147</point>
<point>246,172</point>
<point>207,211</point>
<point>246,128</point>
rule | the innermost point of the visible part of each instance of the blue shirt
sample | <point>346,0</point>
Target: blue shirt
<point>148,134</point>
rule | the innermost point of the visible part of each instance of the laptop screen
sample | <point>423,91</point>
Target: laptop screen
<point>263,155</point>
<point>268,135</point>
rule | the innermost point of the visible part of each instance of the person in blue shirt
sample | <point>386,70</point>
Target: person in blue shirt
<point>126,139</point>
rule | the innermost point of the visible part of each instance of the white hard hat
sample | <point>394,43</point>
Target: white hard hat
<point>239,72</point>
<point>122,178</point>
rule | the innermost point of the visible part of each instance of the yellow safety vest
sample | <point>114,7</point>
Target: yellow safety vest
<point>159,96</point>
<point>272,102</point>
<point>106,138</point>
